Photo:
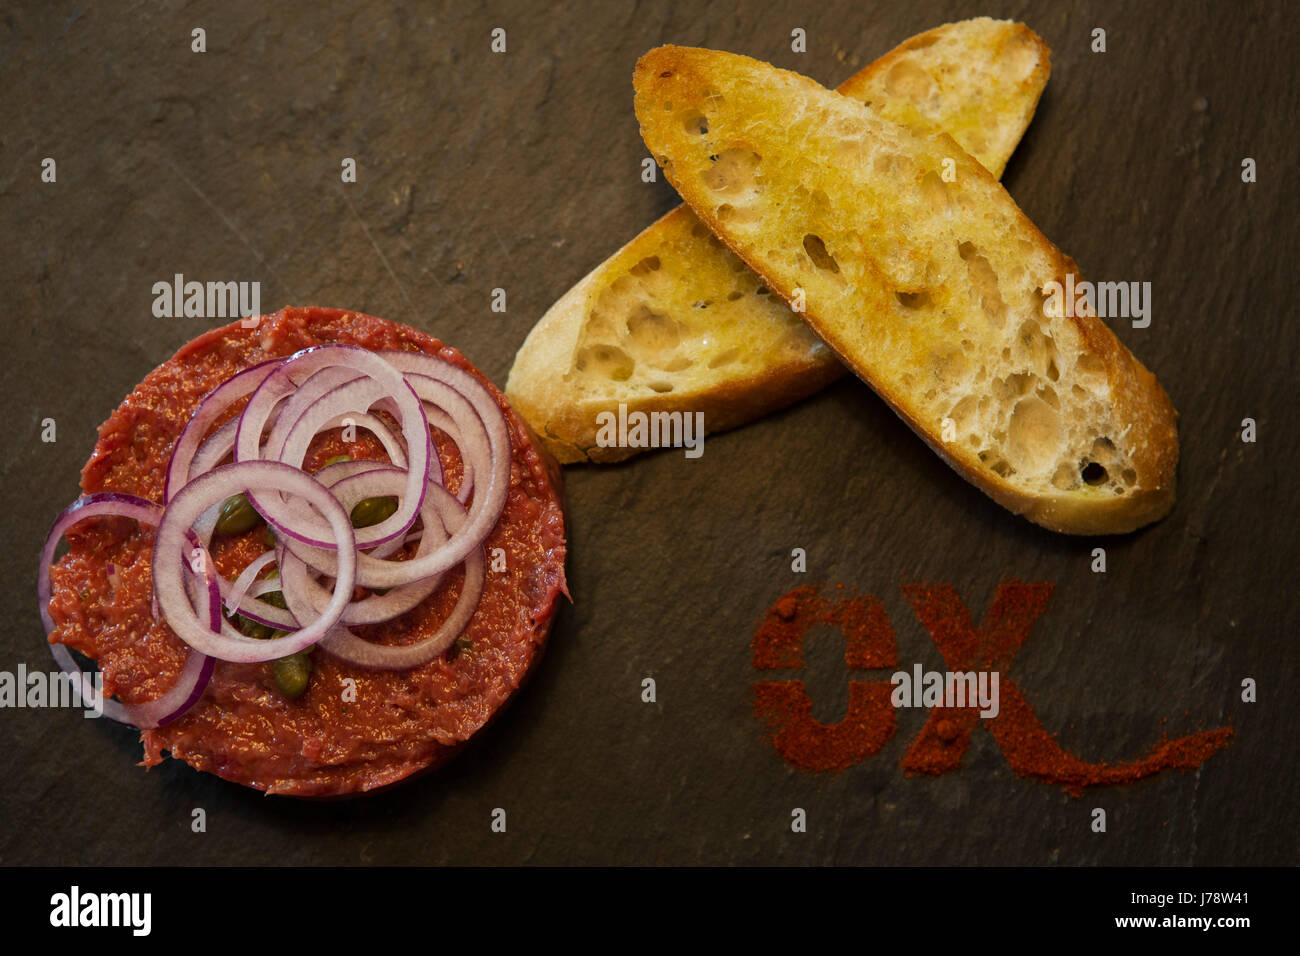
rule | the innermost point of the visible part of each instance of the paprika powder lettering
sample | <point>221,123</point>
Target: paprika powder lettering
<point>1028,747</point>
<point>784,706</point>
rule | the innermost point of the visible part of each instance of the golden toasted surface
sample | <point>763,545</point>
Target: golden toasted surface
<point>911,262</point>
<point>675,322</point>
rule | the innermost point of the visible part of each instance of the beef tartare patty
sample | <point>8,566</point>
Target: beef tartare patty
<point>355,728</point>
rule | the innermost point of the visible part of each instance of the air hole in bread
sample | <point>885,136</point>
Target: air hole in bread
<point>1090,365</point>
<point>1048,394</point>
<point>913,300</point>
<point>963,412</point>
<point>935,192</point>
<point>1034,434</point>
<point>985,281</point>
<point>1036,350</point>
<point>724,358</point>
<point>910,81</point>
<point>762,290</point>
<point>816,250</point>
<point>1053,373</point>
<point>730,215</point>
<point>646,266</point>
<point>949,366</point>
<point>695,123</point>
<point>662,387</point>
<point>678,363</point>
<point>607,360</point>
<point>651,330</point>
<point>1002,468</point>
<point>1129,476</point>
<point>1012,386</point>
<point>1065,478</point>
<point>732,172</point>
<point>1093,474</point>
<point>733,296</point>
<point>1040,303</point>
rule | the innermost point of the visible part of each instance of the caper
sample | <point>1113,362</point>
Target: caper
<point>275,599</point>
<point>237,515</point>
<point>269,537</point>
<point>336,459</point>
<point>372,511</point>
<point>292,674</point>
<point>250,628</point>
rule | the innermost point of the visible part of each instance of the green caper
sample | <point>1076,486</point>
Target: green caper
<point>372,511</point>
<point>269,537</point>
<point>292,674</point>
<point>275,599</point>
<point>250,628</point>
<point>336,459</point>
<point>237,516</point>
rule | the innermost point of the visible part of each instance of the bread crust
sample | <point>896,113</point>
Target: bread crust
<point>565,416</point>
<point>678,74</point>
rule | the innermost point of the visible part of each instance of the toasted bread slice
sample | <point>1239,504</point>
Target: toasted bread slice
<point>675,322</point>
<point>918,269</point>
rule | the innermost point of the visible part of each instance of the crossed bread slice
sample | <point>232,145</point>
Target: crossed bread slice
<point>919,270</point>
<point>675,322</point>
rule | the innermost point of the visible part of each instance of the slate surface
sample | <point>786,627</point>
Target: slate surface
<point>521,171</point>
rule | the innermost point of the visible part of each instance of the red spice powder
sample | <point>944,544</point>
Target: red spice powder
<point>1030,750</point>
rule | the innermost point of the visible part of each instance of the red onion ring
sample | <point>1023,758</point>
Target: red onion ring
<point>390,383</point>
<point>208,411</point>
<point>297,398</point>
<point>194,677</point>
<point>169,565</point>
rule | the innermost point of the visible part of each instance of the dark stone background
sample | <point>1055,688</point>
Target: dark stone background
<point>521,171</point>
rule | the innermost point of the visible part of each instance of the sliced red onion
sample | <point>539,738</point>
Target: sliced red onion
<point>415,430</point>
<point>102,504</point>
<point>290,401</point>
<point>342,643</point>
<point>306,598</point>
<point>363,392</point>
<point>208,411</point>
<point>392,444</point>
<point>246,579</point>
<point>197,672</point>
<point>496,457</point>
<point>169,565</point>
<point>318,385</point>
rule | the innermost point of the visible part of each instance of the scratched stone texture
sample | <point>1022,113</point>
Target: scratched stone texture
<point>521,171</point>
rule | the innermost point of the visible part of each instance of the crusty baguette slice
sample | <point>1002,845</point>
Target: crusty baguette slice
<point>922,274</point>
<point>675,322</point>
